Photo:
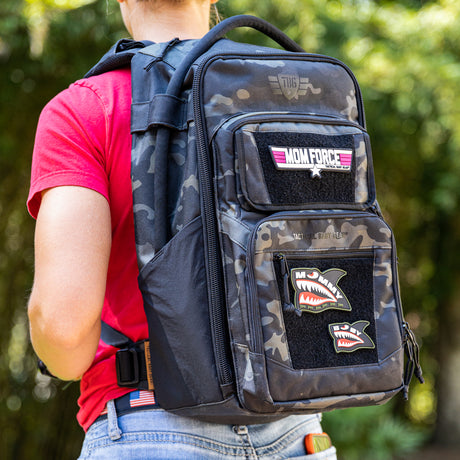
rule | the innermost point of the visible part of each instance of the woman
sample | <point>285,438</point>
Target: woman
<point>86,269</point>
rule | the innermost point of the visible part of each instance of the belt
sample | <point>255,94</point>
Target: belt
<point>131,402</point>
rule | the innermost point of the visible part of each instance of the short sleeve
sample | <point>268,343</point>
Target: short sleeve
<point>70,144</point>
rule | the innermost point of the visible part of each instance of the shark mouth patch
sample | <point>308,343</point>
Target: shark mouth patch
<point>317,291</point>
<point>350,337</point>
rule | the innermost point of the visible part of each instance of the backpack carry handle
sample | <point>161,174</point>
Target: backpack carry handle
<point>161,236</point>
<point>253,22</point>
<point>218,32</point>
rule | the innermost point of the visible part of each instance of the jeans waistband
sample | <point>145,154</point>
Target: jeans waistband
<point>134,401</point>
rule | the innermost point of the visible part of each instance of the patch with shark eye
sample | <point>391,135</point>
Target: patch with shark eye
<point>350,337</point>
<point>317,291</point>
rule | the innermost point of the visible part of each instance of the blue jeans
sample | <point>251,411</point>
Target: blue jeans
<point>157,434</point>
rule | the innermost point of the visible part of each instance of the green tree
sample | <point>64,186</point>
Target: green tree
<point>37,418</point>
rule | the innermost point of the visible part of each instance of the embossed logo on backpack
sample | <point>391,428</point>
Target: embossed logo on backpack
<point>291,86</point>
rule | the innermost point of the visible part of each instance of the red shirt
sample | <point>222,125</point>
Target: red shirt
<point>83,138</point>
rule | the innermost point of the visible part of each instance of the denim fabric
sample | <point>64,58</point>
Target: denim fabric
<point>157,434</point>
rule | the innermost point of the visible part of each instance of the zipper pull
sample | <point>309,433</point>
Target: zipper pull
<point>287,304</point>
<point>412,351</point>
<point>375,208</point>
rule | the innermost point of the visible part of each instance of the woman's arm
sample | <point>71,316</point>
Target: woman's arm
<point>72,250</point>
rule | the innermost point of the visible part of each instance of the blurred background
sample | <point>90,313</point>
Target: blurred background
<point>406,56</point>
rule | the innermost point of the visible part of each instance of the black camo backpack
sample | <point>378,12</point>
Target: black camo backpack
<point>268,274</point>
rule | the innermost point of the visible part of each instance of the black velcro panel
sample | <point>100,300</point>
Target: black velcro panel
<point>310,343</point>
<point>295,187</point>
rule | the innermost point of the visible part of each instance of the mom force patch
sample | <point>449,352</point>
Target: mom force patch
<point>314,159</point>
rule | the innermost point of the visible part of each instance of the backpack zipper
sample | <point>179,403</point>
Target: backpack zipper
<point>284,269</point>
<point>282,260</point>
<point>217,311</point>
<point>412,367</point>
<point>218,317</point>
<point>237,121</point>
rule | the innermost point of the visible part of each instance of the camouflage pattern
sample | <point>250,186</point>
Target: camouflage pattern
<point>311,233</point>
<point>231,83</point>
<point>183,189</point>
<point>363,175</point>
<point>330,90</point>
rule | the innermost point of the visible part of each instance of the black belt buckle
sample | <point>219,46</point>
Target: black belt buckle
<point>127,366</point>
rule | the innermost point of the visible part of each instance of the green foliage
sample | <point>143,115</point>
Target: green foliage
<point>406,55</point>
<point>371,433</point>
<point>33,408</point>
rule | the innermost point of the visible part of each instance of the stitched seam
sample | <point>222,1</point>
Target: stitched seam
<point>108,443</point>
<point>95,90</point>
<point>280,444</point>
<point>159,436</point>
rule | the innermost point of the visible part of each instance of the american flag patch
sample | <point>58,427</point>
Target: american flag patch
<point>141,398</point>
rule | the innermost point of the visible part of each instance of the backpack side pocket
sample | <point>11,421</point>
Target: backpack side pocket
<point>174,290</point>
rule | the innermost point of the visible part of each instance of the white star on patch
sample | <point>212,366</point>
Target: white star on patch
<point>315,171</point>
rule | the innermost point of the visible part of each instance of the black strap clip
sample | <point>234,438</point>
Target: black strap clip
<point>127,366</point>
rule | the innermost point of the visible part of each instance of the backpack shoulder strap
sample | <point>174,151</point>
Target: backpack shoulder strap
<point>115,338</point>
<point>132,360</point>
<point>119,55</point>
<point>151,71</point>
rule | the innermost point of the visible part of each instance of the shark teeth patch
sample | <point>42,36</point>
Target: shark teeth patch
<point>314,293</point>
<point>317,291</point>
<point>350,337</point>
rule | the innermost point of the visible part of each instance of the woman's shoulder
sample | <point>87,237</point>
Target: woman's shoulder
<point>92,100</point>
<point>111,88</point>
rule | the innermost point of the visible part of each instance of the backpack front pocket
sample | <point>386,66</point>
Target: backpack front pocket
<point>289,161</point>
<point>324,306</point>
